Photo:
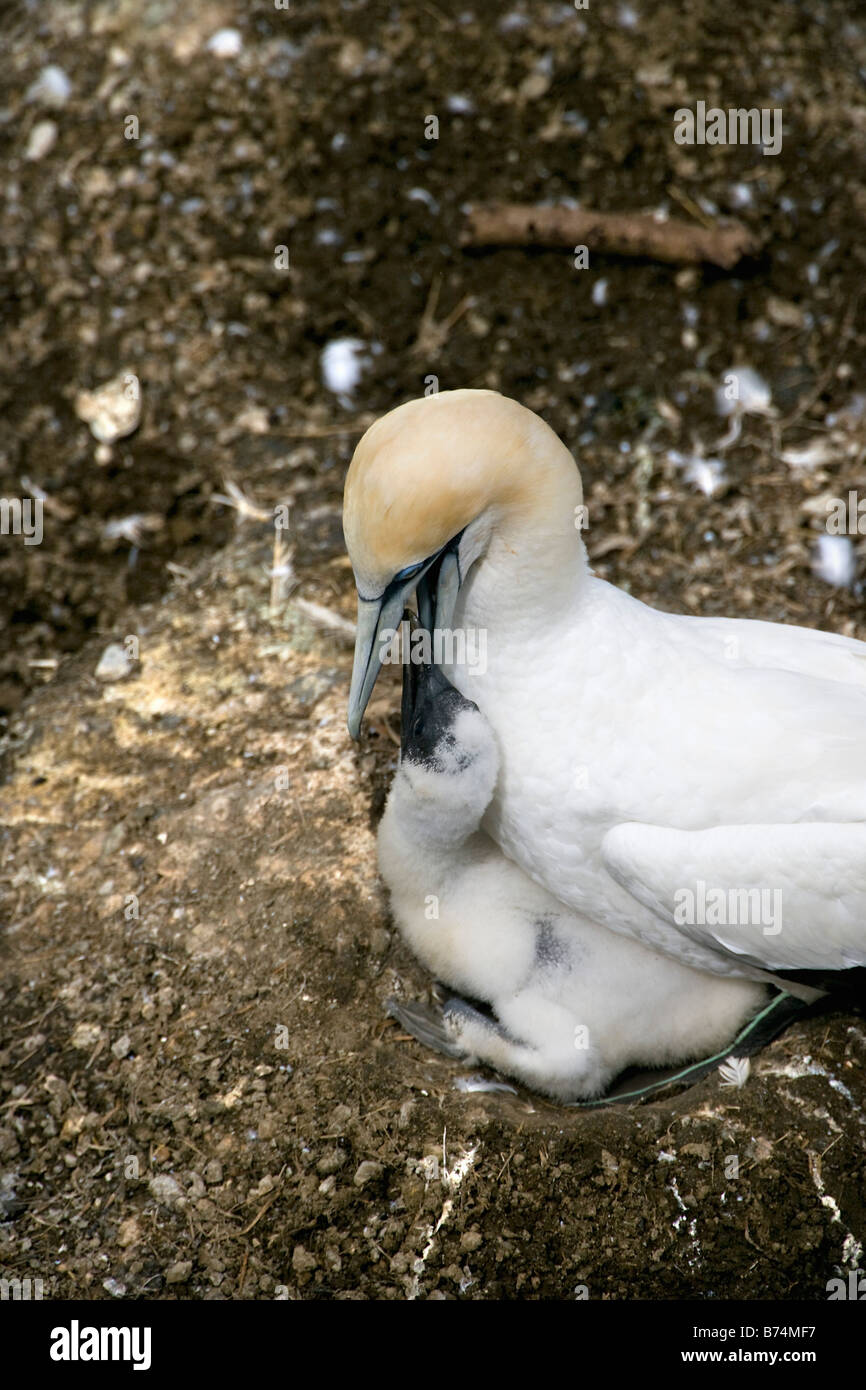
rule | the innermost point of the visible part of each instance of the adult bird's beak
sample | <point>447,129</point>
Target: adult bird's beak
<point>375,617</point>
<point>447,589</point>
<point>438,583</point>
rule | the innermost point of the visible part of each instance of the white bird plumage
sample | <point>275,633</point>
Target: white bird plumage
<point>574,1004</point>
<point>642,753</point>
<point>735,1072</point>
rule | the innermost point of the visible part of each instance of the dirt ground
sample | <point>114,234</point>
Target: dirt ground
<point>200,1094</point>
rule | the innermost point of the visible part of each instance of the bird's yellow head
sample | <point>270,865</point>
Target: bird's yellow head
<point>428,485</point>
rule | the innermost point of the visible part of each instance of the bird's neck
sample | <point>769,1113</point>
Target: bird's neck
<point>534,567</point>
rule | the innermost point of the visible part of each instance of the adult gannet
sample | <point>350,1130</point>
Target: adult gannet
<point>698,783</point>
<point>573,1003</point>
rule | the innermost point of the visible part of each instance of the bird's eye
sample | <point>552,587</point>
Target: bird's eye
<point>410,570</point>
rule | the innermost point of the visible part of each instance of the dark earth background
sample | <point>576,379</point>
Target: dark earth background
<point>205,1099</point>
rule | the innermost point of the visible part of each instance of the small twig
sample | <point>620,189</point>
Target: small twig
<point>14,1104</point>
<point>691,207</point>
<point>621,233</point>
<point>433,334</point>
<point>282,573</point>
<point>51,504</point>
<point>257,1218</point>
<point>242,504</point>
<point>326,618</point>
<point>392,733</point>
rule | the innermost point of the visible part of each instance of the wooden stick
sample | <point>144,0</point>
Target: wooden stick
<point>622,233</point>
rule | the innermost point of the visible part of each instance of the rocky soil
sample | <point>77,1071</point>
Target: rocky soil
<point>200,1093</point>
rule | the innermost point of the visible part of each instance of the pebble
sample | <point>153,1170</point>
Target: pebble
<point>225,43</point>
<point>43,138</point>
<point>114,664</point>
<point>263,1187</point>
<point>85,1036</point>
<point>367,1171</point>
<point>51,88</point>
<point>178,1273</point>
<point>129,1232</point>
<point>302,1261</point>
<point>331,1162</point>
<point>166,1189</point>
<point>113,410</point>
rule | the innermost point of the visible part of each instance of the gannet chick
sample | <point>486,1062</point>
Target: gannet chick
<point>696,783</point>
<point>573,1003</point>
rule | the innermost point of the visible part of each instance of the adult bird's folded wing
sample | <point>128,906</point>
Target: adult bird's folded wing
<point>774,897</point>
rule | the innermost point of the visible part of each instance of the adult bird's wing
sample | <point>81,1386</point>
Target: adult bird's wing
<point>776,897</point>
<point>778,647</point>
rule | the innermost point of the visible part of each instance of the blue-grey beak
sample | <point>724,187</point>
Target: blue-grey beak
<point>379,618</point>
<point>375,617</point>
<point>447,588</point>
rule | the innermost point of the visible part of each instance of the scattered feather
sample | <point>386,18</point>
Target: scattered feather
<point>810,456</point>
<point>51,88</point>
<point>133,528</point>
<point>706,474</point>
<point>735,1071</point>
<point>740,195</point>
<point>480,1083</point>
<point>343,362</point>
<point>741,392</point>
<point>834,561</point>
<point>225,43</point>
<point>422,195</point>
